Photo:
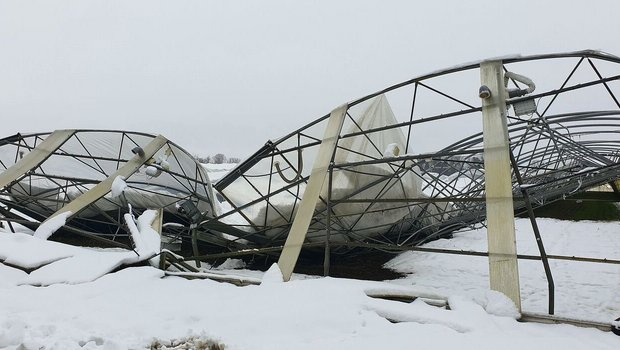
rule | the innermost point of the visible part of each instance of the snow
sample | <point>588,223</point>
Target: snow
<point>146,240</point>
<point>152,171</point>
<point>21,249</point>
<point>51,262</point>
<point>596,297</point>
<point>84,267</point>
<point>129,308</point>
<point>499,304</point>
<point>392,150</point>
<point>217,171</point>
<point>47,228</point>
<point>273,275</point>
<point>138,306</point>
<point>118,186</point>
<point>231,264</point>
<point>10,276</point>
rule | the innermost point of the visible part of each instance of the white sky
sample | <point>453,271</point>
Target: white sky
<point>225,76</point>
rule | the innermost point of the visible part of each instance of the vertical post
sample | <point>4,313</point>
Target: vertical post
<point>503,267</point>
<point>327,260</point>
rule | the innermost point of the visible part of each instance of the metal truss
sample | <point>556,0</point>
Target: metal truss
<point>169,179</point>
<point>567,145</point>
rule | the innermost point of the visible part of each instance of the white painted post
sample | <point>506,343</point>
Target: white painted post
<point>35,157</point>
<point>305,211</point>
<point>503,267</point>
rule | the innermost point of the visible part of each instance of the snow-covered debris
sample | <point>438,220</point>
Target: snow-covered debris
<point>499,304</point>
<point>86,266</point>
<point>231,264</point>
<point>273,275</point>
<point>53,262</point>
<point>27,252</point>
<point>145,238</point>
<point>418,312</point>
<point>46,229</point>
<point>118,186</point>
<point>190,342</point>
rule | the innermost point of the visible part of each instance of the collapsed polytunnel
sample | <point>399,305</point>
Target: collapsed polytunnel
<point>48,172</point>
<point>407,164</point>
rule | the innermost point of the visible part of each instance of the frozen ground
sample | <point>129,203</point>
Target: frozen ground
<point>130,308</point>
<point>582,290</point>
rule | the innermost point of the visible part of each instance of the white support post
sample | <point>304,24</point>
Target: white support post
<point>503,267</point>
<point>35,157</point>
<point>305,211</point>
<point>102,188</point>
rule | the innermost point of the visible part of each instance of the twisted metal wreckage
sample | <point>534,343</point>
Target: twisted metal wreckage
<point>406,164</point>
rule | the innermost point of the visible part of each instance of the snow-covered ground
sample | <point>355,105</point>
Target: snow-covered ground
<point>217,171</point>
<point>131,308</point>
<point>588,291</point>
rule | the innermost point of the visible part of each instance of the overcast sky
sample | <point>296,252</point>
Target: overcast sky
<point>225,76</point>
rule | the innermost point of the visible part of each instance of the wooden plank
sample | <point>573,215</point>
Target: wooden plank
<point>549,319</point>
<point>232,279</point>
<point>503,268</point>
<point>102,188</point>
<point>305,211</point>
<point>35,157</point>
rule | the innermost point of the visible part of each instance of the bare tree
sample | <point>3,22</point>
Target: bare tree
<point>219,158</point>
<point>203,160</point>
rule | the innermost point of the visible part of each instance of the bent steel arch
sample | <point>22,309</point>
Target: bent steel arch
<point>436,184</point>
<point>408,165</point>
<point>84,159</point>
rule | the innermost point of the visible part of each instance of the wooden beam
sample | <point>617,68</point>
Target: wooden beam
<point>503,267</point>
<point>305,211</point>
<point>35,157</point>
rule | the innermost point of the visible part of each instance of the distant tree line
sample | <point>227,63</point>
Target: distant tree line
<point>218,158</point>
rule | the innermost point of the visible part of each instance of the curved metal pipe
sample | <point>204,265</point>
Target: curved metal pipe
<point>300,163</point>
